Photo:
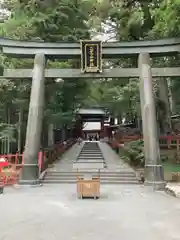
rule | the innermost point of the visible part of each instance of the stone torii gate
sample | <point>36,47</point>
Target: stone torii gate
<point>42,51</point>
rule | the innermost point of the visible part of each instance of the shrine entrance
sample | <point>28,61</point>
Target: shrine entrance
<point>91,54</point>
<point>94,115</point>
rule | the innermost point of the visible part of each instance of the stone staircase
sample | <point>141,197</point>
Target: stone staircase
<point>90,154</point>
<point>106,177</point>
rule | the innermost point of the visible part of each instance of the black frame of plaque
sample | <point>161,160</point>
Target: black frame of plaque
<point>87,60</point>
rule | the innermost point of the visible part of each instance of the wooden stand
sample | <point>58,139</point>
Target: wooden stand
<point>88,187</point>
<point>88,178</point>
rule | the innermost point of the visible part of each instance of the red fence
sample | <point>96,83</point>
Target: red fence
<point>18,158</point>
<point>170,141</point>
<point>10,174</point>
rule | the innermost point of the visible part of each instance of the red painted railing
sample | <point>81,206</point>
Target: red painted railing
<point>10,174</point>
<point>18,159</point>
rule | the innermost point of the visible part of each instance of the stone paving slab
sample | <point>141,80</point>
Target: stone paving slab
<point>123,212</point>
<point>90,160</point>
<point>88,165</point>
<point>112,159</point>
<point>173,189</point>
<point>90,157</point>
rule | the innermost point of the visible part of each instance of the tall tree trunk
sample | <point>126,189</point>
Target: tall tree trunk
<point>119,118</point>
<point>50,134</point>
<point>172,100</point>
<point>44,134</point>
<point>63,131</point>
<point>20,119</point>
<point>9,122</point>
<point>164,96</point>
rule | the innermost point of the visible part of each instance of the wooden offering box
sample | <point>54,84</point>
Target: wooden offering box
<point>88,188</point>
<point>88,179</point>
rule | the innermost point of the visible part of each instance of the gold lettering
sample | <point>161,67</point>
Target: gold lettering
<point>91,57</point>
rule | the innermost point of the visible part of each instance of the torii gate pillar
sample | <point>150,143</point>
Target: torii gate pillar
<point>153,169</point>
<point>30,171</point>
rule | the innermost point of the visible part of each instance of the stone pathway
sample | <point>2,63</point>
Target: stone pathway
<point>123,212</point>
<point>112,159</point>
<point>66,161</point>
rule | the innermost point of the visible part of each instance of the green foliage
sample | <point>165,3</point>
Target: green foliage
<point>134,153</point>
<point>120,98</point>
<point>167,19</point>
<point>7,132</point>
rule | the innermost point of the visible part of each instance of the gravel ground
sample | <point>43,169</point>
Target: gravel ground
<point>123,212</point>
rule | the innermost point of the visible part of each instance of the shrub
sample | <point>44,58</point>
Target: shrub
<point>134,152</point>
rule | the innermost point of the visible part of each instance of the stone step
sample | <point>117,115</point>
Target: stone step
<point>89,161</point>
<point>90,146</point>
<point>75,173</point>
<point>91,155</point>
<point>91,152</point>
<point>104,170</point>
<point>90,158</point>
<point>85,161</point>
<point>102,182</point>
<point>110,178</point>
